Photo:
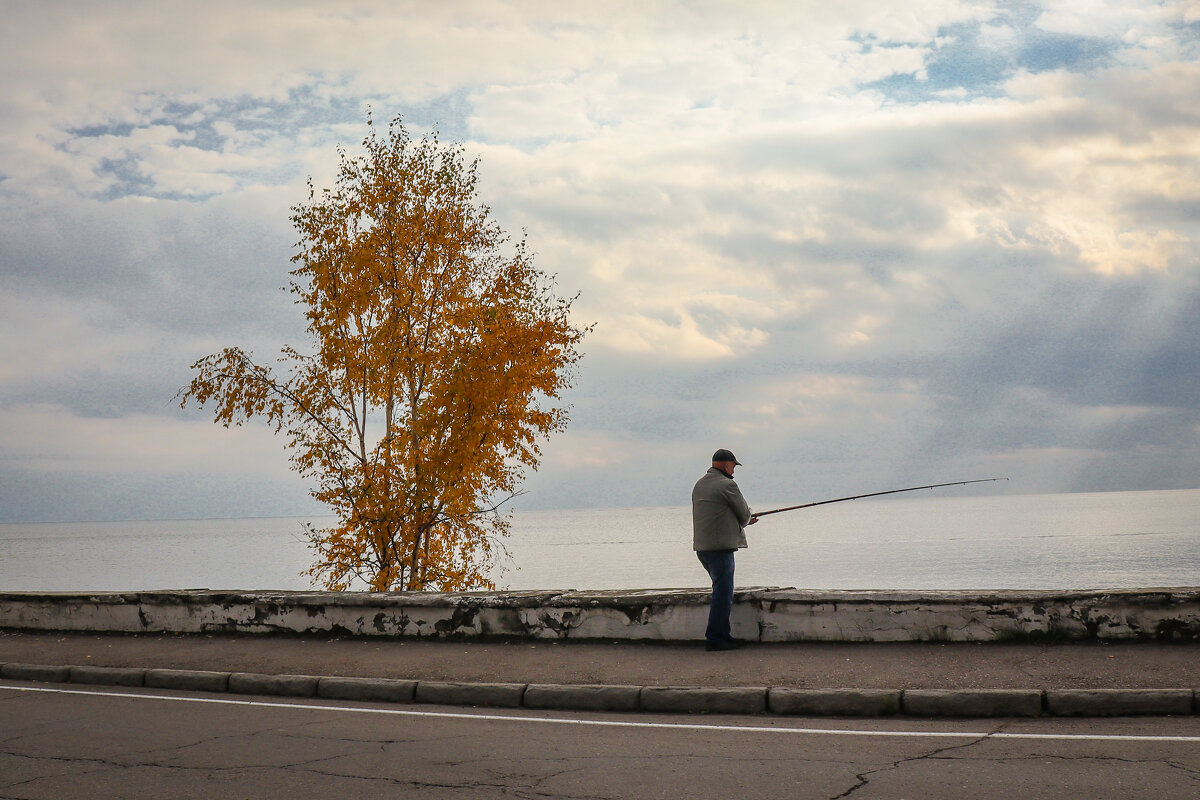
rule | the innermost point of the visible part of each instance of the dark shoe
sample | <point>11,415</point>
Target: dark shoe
<point>727,644</point>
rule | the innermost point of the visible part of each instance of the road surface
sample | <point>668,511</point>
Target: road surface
<point>100,742</point>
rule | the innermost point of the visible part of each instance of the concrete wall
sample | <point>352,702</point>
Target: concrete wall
<point>763,614</point>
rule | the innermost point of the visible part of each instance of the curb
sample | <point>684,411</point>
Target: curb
<point>188,680</point>
<point>780,701</point>
<point>700,700</point>
<point>973,702</point>
<point>595,697</point>
<point>500,695</point>
<point>282,685</point>
<point>108,676</point>
<point>383,690</point>
<point>835,702</point>
<point>1119,702</point>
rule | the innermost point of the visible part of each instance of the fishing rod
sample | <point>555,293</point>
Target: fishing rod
<point>874,494</point>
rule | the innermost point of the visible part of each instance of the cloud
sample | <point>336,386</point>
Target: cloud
<point>856,240</point>
<point>59,466</point>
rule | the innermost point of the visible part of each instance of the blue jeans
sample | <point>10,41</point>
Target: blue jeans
<point>719,564</point>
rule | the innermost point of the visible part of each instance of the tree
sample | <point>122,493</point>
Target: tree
<point>439,354</point>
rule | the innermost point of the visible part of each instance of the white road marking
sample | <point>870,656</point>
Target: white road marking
<point>1086,737</point>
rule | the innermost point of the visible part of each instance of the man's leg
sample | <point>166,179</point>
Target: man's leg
<point>719,564</point>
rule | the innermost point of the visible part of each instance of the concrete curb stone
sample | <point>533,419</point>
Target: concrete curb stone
<point>972,702</point>
<point>36,672</point>
<point>188,679</point>
<point>285,685</point>
<point>504,695</point>
<point>834,702</point>
<point>1118,702</point>
<point>582,697</point>
<point>109,676</point>
<point>385,690</point>
<point>672,699</point>
<point>702,700</point>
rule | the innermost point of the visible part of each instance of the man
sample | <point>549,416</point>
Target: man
<point>719,519</point>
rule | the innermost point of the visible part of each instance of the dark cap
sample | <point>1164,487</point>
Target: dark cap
<point>725,455</point>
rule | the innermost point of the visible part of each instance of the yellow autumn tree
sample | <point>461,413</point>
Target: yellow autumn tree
<point>438,357</point>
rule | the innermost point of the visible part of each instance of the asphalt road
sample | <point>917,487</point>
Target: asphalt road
<point>98,742</point>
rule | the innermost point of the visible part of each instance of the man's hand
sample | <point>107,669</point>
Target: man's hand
<point>753,519</point>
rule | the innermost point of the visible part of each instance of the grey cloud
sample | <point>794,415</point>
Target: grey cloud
<point>153,293</point>
<point>1182,214</point>
<point>1103,368</point>
<point>181,265</point>
<point>30,496</point>
<point>1093,344</point>
<point>653,404</point>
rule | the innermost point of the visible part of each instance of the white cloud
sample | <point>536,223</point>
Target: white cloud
<point>682,339</point>
<point>1106,18</point>
<point>540,112</point>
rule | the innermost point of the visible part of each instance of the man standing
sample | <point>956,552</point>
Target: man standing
<point>719,519</point>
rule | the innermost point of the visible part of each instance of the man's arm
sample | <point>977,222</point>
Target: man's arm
<point>741,509</point>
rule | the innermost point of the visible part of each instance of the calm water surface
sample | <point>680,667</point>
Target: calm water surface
<point>1064,541</point>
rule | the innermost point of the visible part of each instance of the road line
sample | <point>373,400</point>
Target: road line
<point>1086,737</point>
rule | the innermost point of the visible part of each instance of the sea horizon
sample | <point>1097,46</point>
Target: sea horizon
<point>1071,540</point>
<point>541,508</point>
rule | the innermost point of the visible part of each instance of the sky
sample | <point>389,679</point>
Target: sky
<point>864,245</point>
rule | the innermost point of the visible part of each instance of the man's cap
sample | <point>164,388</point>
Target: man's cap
<point>725,455</point>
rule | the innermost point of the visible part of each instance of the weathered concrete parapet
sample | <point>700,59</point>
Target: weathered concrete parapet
<point>660,614</point>
<point>759,614</point>
<point>975,616</point>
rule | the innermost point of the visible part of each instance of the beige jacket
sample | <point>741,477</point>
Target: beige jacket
<point>719,513</point>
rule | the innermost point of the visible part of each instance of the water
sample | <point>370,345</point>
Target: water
<point>1064,541</point>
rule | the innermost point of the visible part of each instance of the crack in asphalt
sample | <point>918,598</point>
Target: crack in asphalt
<point>159,758</point>
<point>1181,767</point>
<point>534,784</point>
<point>299,734</point>
<point>1193,771</point>
<point>864,778</point>
<point>162,758</point>
<point>409,783</point>
<point>99,763</point>
<point>534,780</point>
